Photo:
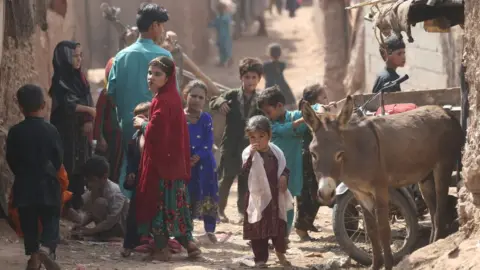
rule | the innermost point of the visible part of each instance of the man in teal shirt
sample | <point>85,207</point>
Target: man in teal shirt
<point>127,81</point>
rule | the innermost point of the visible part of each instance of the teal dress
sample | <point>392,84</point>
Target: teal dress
<point>128,87</point>
<point>224,38</point>
<point>290,140</point>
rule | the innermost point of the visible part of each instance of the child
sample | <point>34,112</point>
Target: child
<point>274,73</point>
<point>34,154</point>
<point>307,202</point>
<point>134,154</point>
<point>203,186</point>
<point>161,194</point>
<point>224,38</point>
<point>107,130</point>
<point>287,133</point>
<point>393,53</point>
<point>238,105</point>
<point>268,197</point>
<point>104,203</point>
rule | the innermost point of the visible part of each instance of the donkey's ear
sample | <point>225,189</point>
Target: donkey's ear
<point>310,116</point>
<point>346,112</point>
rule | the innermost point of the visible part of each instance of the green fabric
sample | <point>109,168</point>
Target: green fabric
<point>173,218</point>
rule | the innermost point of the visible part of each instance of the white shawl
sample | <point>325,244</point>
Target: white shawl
<point>260,193</point>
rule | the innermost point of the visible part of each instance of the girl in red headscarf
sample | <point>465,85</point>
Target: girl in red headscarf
<point>162,195</point>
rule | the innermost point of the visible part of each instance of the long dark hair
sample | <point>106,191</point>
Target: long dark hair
<point>310,94</point>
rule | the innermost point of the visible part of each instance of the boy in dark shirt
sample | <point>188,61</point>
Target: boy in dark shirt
<point>393,53</point>
<point>34,154</point>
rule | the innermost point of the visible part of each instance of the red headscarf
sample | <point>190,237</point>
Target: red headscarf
<point>108,67</point>
<point>166,154</point>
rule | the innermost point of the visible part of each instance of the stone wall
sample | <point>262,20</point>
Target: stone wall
<point>468,209</point>
<point>433,60</point>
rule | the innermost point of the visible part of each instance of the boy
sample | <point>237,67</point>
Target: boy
<point>104,203</point>
<point>34,154</point>
<point>238,105</point>
<point>222,24</point>
<point>288,129</point>
<point>273,70</point>
<point>134,154</point>
<point>393,53</point>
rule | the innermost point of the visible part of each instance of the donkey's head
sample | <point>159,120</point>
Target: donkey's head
<point>328,147</point>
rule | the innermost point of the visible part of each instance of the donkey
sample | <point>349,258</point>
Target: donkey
<point>371,155</point>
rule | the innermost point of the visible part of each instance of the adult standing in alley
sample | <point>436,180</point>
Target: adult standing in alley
<point>127,82</point>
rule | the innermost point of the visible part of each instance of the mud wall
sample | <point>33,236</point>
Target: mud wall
<point>470,199</point>
<point>433,60</point>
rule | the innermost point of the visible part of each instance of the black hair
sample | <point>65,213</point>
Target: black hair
<point>195,84</point>
<point>270,97</point>
<point>258,123</point>
<point>30,98</point>
<point>275,50</point>
<point>149,13</point>
<point>249,64</point>
<point>391,44</point>
<point>97,166</point>
<point>164,63</point>
<point>311,93</point>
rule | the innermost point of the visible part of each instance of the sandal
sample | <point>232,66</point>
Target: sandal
<point>212,237</point>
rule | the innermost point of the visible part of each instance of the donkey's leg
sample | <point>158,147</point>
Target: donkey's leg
<point>382,199</point>
<point>368,207</point>
<point>427,187</point>
<point>442,174</point>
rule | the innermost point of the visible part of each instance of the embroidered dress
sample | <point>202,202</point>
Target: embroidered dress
<point>203,186</point>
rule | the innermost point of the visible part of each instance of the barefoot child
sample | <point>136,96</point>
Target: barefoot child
<point>268,197</point>
<point>307,202</point>
<point>34,155</point>
<point>162,195</point>
<point>134,154</point>
<point>238,105</point>
<point>203,186</point>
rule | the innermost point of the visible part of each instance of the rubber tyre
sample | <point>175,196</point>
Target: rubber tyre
<point>362,257</point>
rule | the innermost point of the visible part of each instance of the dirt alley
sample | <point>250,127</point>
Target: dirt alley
<point>304,58</point>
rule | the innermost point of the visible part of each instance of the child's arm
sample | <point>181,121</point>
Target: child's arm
<point>112,82</point>
<point>217,102</point>
<point>247,165</point>
<point>290,129</point>
<point>207,144</point>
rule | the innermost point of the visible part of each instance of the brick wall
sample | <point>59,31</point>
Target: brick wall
<point>433,60</point>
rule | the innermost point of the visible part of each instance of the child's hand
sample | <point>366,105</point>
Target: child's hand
<point>282,183</point>
<point>130,179</point>
<point>87,128</point>
<point>138,121</point>
<point>297,122</point>
<point>194,159</point>
<point>225,108</point>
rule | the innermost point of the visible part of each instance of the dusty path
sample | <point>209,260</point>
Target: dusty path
<point>304,59</point>
<point>301,51</point>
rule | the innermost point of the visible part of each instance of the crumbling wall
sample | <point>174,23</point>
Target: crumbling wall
<point>469,212</point>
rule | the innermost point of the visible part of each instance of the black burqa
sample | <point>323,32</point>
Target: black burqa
<point>69,89</point>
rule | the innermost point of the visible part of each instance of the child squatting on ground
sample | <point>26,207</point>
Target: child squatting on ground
<point>203,186</point>
<point>34,154</point>
<point>269,200</point>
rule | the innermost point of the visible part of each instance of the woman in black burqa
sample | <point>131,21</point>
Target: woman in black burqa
<point>72,113</point>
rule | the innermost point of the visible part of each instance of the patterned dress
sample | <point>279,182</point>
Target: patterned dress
<point>203,186</point>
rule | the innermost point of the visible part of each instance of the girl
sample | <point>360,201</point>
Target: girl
<point>222,23</point>
<point>273,70</point>
<point>72,113</point>
<point>268,198</point>
<point>307,202</point>
<point>203,186</point>
<point>161,194</point>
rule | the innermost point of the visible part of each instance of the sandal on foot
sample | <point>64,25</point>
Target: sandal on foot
<point>212,237</point>
<point>47,261</point>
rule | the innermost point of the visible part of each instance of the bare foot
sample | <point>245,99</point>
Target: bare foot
<point>193,250</point>
<point>34,263</point>
<point>261,265</point>
<point>48,261</point>
<point>223,218</point>
<point>212,237</point>
<point>282,259</point>
<point>163,255</point>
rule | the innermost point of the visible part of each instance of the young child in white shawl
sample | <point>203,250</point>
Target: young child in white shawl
<point>268,198</point>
